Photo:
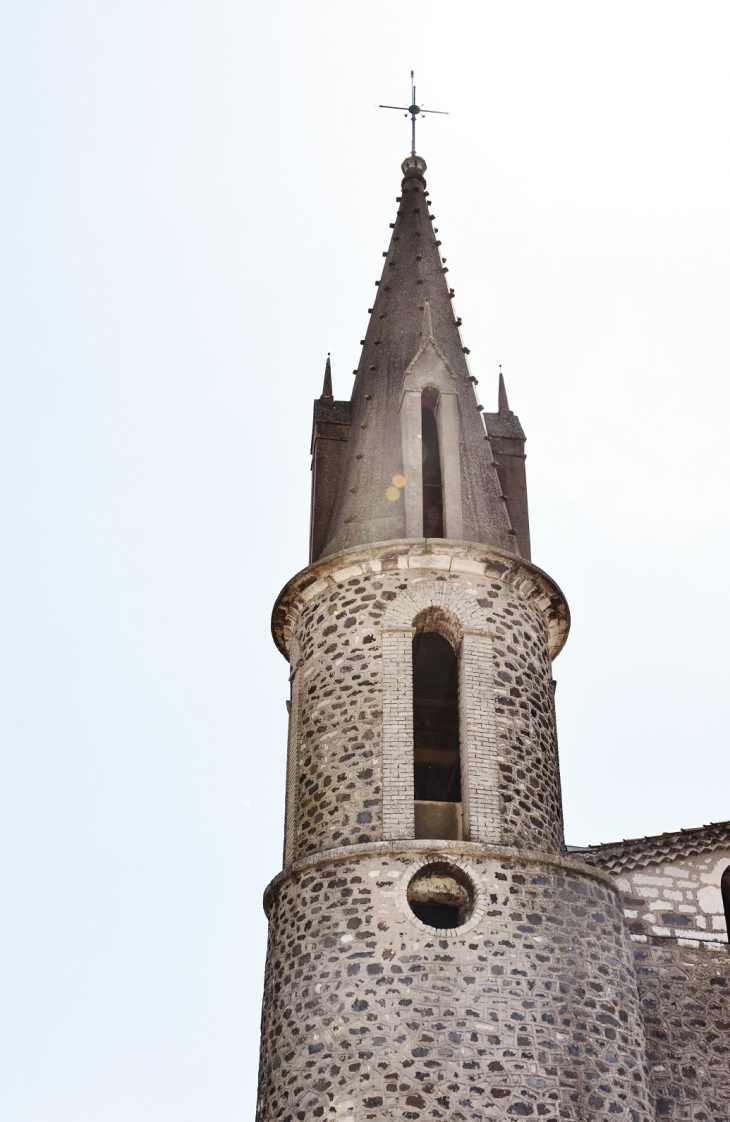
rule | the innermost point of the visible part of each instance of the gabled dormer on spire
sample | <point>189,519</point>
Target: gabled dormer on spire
<point>418,461</point>
<point>430,440</point>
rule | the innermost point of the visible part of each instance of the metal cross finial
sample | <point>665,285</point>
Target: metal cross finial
<point>415,111</point>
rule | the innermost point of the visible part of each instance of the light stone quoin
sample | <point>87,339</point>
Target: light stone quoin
<point>398,817</point>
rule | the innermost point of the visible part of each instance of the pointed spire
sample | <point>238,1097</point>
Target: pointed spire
<point>327,388</point>
<point>503,404</point>
<point>413,312</point>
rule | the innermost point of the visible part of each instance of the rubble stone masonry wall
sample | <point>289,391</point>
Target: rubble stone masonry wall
<point>348,635</point>
<point>561,993</point>
<point>680,899</point>
<point>685,998</point>
<point>675,914</point>
<point>530,1010</point>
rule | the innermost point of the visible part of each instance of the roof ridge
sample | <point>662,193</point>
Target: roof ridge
<point>653,848</point>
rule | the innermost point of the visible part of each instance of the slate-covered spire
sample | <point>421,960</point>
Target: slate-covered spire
<point>417,437</point>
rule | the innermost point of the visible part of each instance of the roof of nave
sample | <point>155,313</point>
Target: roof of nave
<point>633,853</point>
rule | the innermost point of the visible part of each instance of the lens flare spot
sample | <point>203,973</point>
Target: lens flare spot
<point>399,480</point>
<point>392,493</point>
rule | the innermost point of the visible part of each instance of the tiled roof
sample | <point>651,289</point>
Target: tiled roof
<point>615,857</point>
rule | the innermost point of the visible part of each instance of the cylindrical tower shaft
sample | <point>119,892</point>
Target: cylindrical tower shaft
<point>474,972</point>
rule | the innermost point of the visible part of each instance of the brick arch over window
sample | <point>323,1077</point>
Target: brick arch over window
<point>452,601</point>
<point>442,621</point>
<point>446,606</point>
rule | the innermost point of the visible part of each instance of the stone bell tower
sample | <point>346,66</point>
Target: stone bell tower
<point>433,953</point>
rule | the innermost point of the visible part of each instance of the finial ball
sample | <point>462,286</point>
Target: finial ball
<point>413,166</point>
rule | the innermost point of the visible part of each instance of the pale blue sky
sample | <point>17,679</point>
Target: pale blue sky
<point>195,200</point>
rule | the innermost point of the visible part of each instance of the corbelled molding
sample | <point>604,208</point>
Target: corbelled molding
<point>432,555</point>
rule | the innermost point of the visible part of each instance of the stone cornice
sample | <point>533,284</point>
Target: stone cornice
<point>418,848</point>
<point>438,555</point>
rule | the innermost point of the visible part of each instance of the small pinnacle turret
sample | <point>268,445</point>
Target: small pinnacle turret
<point>417,460</point>
<point>327,387</point>
<point>507,439</point>
<point>502,403</point>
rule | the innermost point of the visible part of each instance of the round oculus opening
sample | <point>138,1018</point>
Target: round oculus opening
<point>441,895</point>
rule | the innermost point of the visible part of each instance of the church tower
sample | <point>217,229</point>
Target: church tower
<point>434,952</point>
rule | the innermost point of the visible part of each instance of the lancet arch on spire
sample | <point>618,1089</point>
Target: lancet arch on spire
<point>432,486</point>
<point>431,461</point>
